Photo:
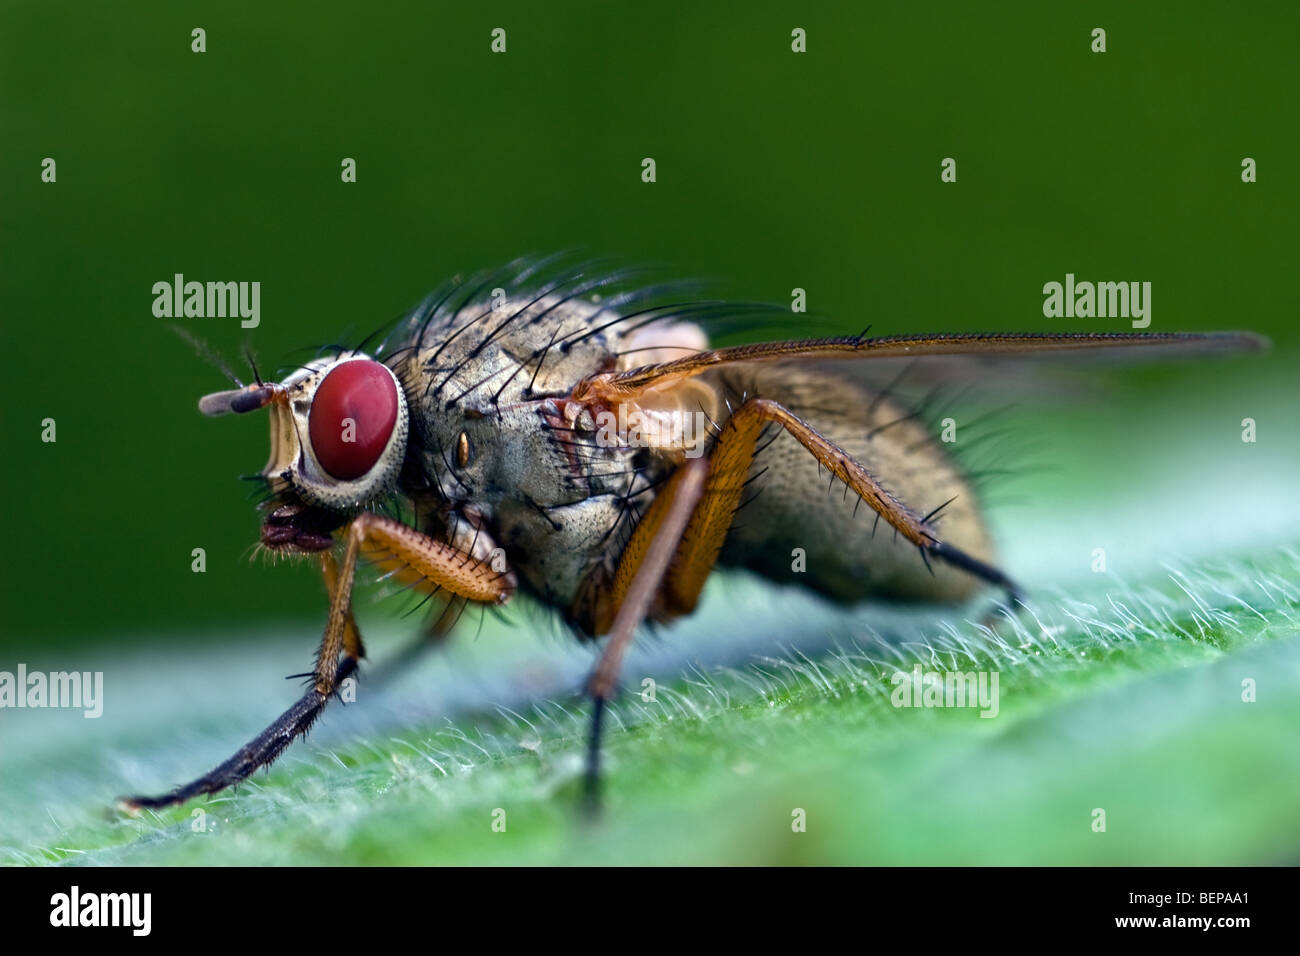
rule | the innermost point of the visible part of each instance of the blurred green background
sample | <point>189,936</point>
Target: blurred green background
<point>775,170</point>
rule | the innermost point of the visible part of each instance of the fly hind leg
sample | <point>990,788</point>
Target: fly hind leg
<point>734,454</point>
<point>675,546</point>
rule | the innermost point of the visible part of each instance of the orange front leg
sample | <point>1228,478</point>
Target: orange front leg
<point>394,546</point>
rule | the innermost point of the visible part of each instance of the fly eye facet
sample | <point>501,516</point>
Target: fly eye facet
<point>352,417</point>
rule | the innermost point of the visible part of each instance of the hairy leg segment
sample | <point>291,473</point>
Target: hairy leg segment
<point>394,546</point>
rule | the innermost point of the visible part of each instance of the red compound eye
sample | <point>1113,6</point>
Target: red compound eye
<point>352,418</point>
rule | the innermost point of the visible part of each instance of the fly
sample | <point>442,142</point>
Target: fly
<point>587,447</point>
